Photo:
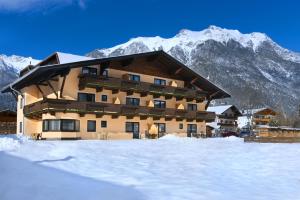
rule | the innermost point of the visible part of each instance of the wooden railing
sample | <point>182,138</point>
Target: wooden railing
<point>36,110</point>
<point>139,87</point>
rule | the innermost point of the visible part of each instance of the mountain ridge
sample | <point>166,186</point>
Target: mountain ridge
<point>253,68</point>
<point>233,60</point>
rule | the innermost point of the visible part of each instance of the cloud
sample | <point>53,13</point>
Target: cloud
<point>38,5</point>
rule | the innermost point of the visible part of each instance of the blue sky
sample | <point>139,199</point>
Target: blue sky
<point>39,27</point>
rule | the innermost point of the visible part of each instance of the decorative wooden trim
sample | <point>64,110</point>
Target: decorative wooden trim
<point>41,91</point>
<point>62,87</point>
<point>52,88</point>
<point>194,80</point>
<point>178,70</point>
<point>54,79</point>
<point>207,103</point>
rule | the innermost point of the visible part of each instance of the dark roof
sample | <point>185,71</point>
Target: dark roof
<point>42,73</point>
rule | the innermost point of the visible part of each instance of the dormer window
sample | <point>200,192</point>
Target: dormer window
<point>89,71</point>
<point>158,81</point>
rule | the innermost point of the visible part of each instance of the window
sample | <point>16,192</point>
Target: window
<point>103,124</point>
<point>161,127</point>
<point>21,127</point>
<point>159,81</point>
<point>91,126</point>
<point>69,125</point>
<point>159,104</point>
<point>132,101</point>
<point>192,107</point>
<point>192,128</point>
<point>86,97</point>
<point>132,127</point>
<point>21,103</point>
<point>180,126</point>
<point>104,98</point>
<point>89,71</point>
<point>54,125</point>
<point>133,77</point>
<point>60,125</point>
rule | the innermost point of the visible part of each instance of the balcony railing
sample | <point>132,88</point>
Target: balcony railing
<point>51,106</point>
<point>139,87</point>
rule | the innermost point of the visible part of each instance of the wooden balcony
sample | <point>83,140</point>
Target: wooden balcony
<point>118,84</point>
<point>52,106</point>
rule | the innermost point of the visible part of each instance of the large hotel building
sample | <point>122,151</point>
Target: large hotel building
<point>143,95</point>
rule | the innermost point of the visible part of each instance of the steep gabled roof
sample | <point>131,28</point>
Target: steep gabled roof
<point>43,72</point>
<point>64,58</point>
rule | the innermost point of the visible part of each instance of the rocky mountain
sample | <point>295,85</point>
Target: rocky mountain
<point>9,70</point>
<point>254,69</point>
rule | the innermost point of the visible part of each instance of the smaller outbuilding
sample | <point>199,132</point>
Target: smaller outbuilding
<point>225,123</point>
<point>8,122</point>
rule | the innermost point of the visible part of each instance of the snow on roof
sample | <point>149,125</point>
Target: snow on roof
<point>253,111</point>
<point>214,125</point>
<point>69,58</point>
<point>218,109</point>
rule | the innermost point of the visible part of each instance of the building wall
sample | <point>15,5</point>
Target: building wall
<point>116,127</point>
<point>271,132</point>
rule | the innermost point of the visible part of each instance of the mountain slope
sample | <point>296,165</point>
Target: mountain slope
<point>251,67</point>
<point>9,69</point>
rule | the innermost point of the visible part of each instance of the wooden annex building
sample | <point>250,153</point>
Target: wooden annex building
<point>142,95</point>
<point>8,122</point>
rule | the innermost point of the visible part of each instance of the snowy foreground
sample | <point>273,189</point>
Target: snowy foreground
<point>169,168</point>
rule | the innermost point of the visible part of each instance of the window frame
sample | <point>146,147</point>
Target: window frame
<point>158,81</point>
<point>88,129</point>
<point>83,93</point>
<point>161,102</point>
<point>91,71</point>
<point>192,125</point>
<point>180,125</point>
<point>158,127</point>
<point>132,77</point>
<point>106,98</point>
<point>192,107</point>
<point>46,125</point>
<point>103,124</point>
<point>132,126</point>
<point>138,100</point>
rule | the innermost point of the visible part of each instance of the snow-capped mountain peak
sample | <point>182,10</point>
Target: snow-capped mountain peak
<point>188,39</point>
<point>224,35</point>
<point>17,62</point>
<point>252,67</point>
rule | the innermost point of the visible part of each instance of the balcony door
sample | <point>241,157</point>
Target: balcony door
<point>191,129</point>
<point>134,128</point>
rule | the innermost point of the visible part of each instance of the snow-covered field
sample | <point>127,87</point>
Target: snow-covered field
<point>168,168</point>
